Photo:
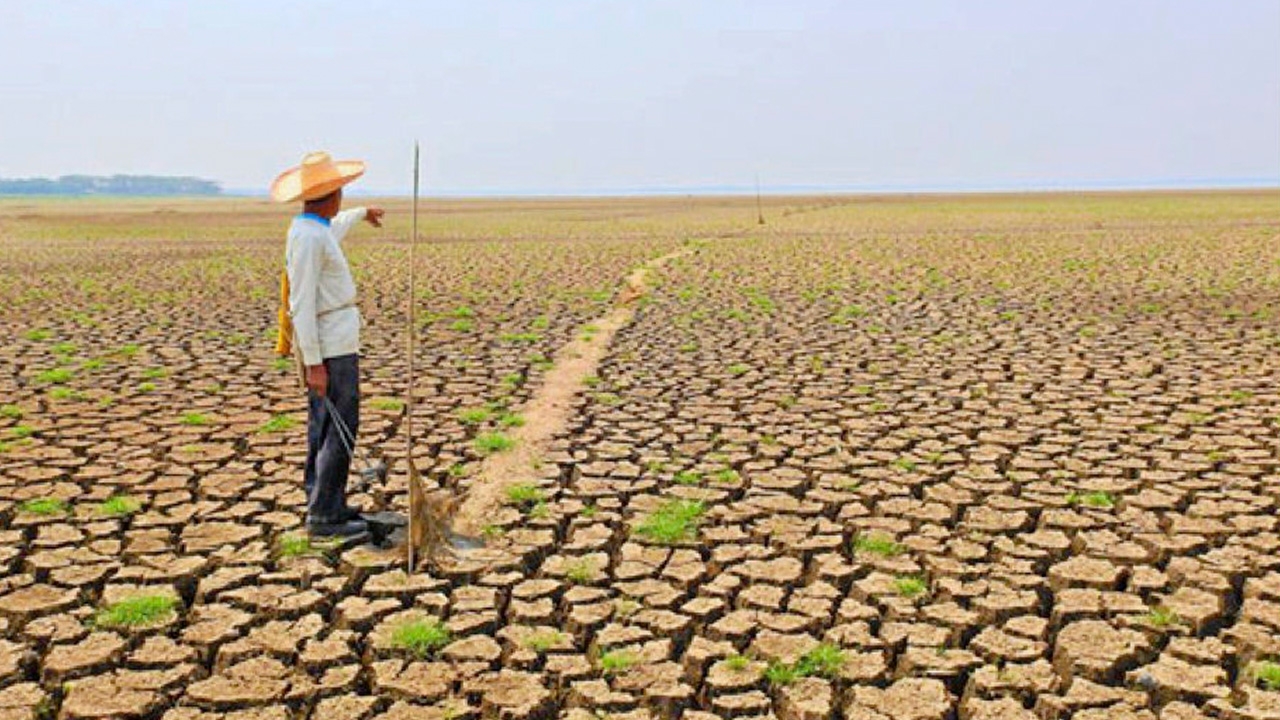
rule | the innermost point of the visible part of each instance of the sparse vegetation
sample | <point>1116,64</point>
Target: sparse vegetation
<point>44,506</point>
<point>137,611</point>
<point>910,586</point>
<point>614,662</point>
<point>279,424</point>
<point>421,638</point>
<point>119,506</point>
<point>877,544</point>
<point>674,521</point>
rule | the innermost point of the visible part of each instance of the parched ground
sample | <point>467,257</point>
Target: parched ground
<point>908,458</point>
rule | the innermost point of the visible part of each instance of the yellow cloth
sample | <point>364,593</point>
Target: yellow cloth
<point>284,332</point>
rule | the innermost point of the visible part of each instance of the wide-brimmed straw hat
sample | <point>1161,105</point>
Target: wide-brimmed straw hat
<point>317,176</point>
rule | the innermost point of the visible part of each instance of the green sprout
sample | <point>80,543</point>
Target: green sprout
<point>44,506</point>
<point>877,544</point>
<point>137,611</point>
<point>279,424</point>
<point>541,642</point>
<point>1100,499</point>
<point>1267,673</point>
<point>473,416</point>
<point>674,521</point>
<point>910,586</point>
<point>421,638</point>
<point>613,662</point>
<point>119,506</point>
<point>490,443</point>
<point>55,376</point>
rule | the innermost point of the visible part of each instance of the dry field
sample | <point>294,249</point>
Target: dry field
<point>881,458</point>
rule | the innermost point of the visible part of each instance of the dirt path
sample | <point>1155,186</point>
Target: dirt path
<point>547,412</point>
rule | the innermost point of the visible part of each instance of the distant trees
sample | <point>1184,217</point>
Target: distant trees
<point>150,185</point>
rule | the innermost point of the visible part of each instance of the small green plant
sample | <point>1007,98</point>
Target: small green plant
<point>55,376</point>
<point>293,545</point>
<point>44,506</point>
<point>195,418</point>
<point>510,420</point>
<point>383,403</point>
<point>65,393</point>
<point>877,544</point>
<point>93,364</point>
<point>518,338</point>
<point>780,673</point>
<point>462,326</point>
<point>474,416</point>
<point>37,335</point>
<point>674,521</point>
<point>494,442</point>
<point>525,494</point>
<point>910,586</point>
<point>543,641</point>
<point>581,572</point>
<point>905,464</point>
<point>687,477</point>
<point>625,607</point>
<point>1099,499</point>
<point>21,431</point>
<point>738,369</point>
<point>281,364</point>
<point>824,660</point>
<point>153,373</point>
<point>613,662</point>
<point>1161,616</point>
<point>737,663</point>
<point>591,381</point>
<point>589,511</point>
<point>491,532</point>
<point>726,476</point>
<point>1266,673</point>
<point>13,412</point>
<point>279,424</point>
<point>119,506</point>
<point>146,387</point>
<point>421,638</point>
<point>137,611</point>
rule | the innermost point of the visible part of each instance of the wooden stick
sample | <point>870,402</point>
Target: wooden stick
<point>408,401</point>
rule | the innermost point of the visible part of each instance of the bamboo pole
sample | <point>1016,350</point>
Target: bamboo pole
<point>408,400</point>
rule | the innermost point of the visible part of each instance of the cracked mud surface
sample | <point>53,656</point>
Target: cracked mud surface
<point>979,459</point>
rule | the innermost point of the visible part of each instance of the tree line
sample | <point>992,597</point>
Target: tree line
<point>114,185</point>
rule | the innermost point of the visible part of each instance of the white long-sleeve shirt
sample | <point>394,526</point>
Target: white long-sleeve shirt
<point>322,294</point>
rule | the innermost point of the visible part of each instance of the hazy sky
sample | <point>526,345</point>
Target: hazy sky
<point>605,95</point>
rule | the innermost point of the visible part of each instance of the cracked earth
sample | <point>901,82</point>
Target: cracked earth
<point>909,458</point>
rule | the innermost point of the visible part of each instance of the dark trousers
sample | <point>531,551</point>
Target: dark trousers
<point>328,461</point>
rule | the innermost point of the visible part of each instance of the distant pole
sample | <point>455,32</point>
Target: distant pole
<point>759,208</point>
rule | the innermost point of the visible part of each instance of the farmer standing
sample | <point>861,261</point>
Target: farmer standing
<point>326,330</point>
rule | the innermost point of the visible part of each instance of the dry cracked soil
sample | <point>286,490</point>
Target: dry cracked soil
<point>917,458</point>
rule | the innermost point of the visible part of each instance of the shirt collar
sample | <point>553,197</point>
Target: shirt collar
<point>312,216</point>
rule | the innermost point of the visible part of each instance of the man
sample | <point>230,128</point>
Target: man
<point>326,331</point>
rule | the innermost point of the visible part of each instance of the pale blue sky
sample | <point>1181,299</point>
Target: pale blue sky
<point>597,96</point>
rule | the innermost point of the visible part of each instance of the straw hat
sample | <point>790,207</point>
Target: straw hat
<point>317,176</point>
